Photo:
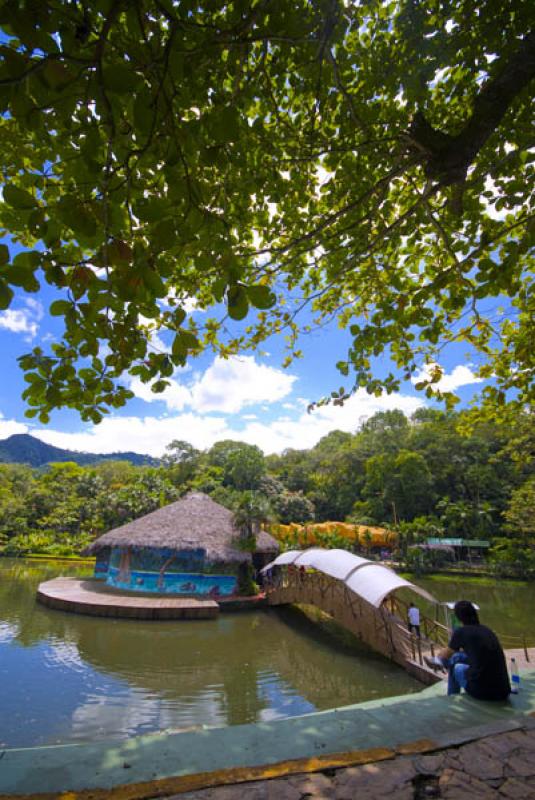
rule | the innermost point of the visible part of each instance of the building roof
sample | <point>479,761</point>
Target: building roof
<point>194,522</point>
<point>458,542</point>
<point>368,579</point>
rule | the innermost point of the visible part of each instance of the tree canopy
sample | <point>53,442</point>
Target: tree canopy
<point>371,160</point>
<point>428,480</point>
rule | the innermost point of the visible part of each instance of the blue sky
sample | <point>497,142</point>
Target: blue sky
<point>250,397</point>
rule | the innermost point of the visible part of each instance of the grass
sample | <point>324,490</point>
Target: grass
<point>464,578</point>
<point>46,557</point>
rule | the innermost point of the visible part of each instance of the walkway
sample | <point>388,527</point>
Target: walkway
<point>382,626</point>
<point>95,598</point>
<point>163,764</point>
<point>494,767</point>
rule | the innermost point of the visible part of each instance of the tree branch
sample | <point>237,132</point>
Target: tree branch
<point>447,157</point>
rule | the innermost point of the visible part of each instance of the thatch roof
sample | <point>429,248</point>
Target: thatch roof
<point>195,521</point>
<point>265,543</point>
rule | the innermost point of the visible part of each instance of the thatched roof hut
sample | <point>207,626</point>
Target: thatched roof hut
<point>194,522</point>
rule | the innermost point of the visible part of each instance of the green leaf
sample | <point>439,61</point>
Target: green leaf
<point>120,78</point>
<point>143,111</point>
<point>19,198</point>
<point>237,302</point>
<point>60,307</point>
<point>218,289</point>
<point>77,217</point>
<point>224,125</point>
<point>151,209</point>
<point>179,315</point>
<point>178,349</point>
<point>4,254</point>
<point>56,74</point>
<point>15,63</point>
<point>261,296</point>
<point>152,281</point>
<point>189,340</point>
<point>28,259</point>
<point>165,235</point>
<point>6,295</point>
<point>119,253</point>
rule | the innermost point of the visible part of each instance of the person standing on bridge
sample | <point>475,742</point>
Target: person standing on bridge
<point>413,615</point>
<point>474,658</point>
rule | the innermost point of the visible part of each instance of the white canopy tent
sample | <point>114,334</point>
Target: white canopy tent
<point>369,580</point>
<point>336,563</point>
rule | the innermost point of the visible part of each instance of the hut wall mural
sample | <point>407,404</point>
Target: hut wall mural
<point>170,572</point>
<point>191,548</point>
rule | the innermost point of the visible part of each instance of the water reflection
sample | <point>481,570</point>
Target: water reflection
<point>505,606</point>
<point>65,677</point>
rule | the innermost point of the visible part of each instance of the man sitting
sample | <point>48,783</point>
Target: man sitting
<point>474,658</point>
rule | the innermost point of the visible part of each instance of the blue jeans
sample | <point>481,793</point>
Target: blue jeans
<point>457,666</point>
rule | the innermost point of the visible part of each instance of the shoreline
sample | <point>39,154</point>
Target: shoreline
<point>375,733</point>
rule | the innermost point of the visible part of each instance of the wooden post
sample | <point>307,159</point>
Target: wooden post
<point>526,651</point>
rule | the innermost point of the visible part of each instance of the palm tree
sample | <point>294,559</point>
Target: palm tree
<point>250,513</point>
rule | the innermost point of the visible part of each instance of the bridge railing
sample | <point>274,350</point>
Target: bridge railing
<point>388,633</point>
<point>431,629</point>
<point>386,629</point>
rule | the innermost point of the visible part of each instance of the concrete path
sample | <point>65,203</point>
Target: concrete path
<point>494,767</point>
<point>160,764</point>
<point>520,655</point>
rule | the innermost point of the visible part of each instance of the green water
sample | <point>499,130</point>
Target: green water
<point>70,678</point>
<point>507,607</point>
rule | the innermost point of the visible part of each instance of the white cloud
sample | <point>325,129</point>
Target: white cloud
<point>8,632</point>
<point>10,426</point>
<point>36,307</point>
<point>156,343</point>
<point>227,386</point>
<point>189,304</point>
<point>148,435</point>
<point>152,434</point>
<point>461,375</point>
<point>23,320</point>
<point>176,396</point>
<point>100,717</point>
<point>307,429</point>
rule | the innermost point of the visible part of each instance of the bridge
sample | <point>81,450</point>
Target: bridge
<point>359,595</point>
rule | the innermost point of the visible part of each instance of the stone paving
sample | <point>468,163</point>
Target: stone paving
<point>500,766</point>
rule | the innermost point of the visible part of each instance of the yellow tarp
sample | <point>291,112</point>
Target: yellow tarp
<point>310,534</point>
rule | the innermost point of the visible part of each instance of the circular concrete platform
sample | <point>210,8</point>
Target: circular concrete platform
<point>96,599</point>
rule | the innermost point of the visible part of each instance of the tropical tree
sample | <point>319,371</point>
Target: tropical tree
<point>371,160</point>
<point>182,461</point>
<point>520,514</point>
<point>251,511</point>
<point>245,467</point>
<point>293,507</point>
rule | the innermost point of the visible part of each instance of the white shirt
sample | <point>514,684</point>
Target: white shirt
<point>414,615</point>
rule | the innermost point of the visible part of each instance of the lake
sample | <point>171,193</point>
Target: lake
<point>72,678</point>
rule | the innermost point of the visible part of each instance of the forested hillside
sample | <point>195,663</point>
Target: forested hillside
<point>24,449</point>
<point>427,475</point>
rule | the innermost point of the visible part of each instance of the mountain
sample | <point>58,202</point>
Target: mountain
<point>21,448</point>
